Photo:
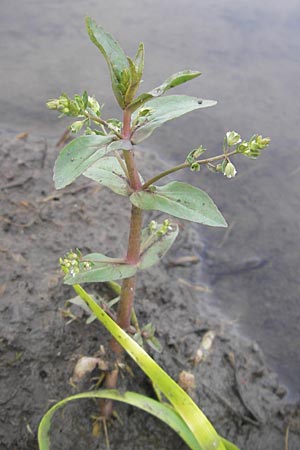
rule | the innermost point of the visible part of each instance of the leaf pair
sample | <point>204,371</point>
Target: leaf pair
<point>82,153</point>
<point>176,198</point>
<point>126,74</point>
<point>97,267</point>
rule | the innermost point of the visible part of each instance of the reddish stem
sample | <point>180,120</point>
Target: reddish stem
<point>133,174</point>
<point>128,286</point>
<point>133,251</point>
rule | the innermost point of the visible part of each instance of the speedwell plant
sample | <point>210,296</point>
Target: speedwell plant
<point>104,152</point>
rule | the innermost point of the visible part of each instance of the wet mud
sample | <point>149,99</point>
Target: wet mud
<point>41,337</point>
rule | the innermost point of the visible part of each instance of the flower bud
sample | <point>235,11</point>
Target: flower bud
<point>94,105</point>
<point>152,225</point>
<point>230,170</point>
<point>242,147</point>
<point>233,138</point>
<point>262,142</point>
<point>195,167</point>
<point>76,126</point>
<point>53,104</point>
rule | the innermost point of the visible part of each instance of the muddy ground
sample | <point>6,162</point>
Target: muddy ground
<point>40,341</point>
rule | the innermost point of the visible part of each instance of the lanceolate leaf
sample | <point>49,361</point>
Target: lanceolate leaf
<point>108,172</point>
<point>174,80</point>
<point>180,200</point>
<point>135,82</point>
<point>161,411</point>
<point>201,428</point>
<point>77,156</point>
<point>115,58</point>
<point>162,110</point>
<point>155,244</point>
<point>96,267</point>
<point>139,59</point>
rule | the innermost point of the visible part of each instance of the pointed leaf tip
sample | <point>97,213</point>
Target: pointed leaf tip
<point>162,109</point>
<point>181,200</point>
<point>115,58</point>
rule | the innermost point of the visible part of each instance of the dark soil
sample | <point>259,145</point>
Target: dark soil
<point>39,343</point>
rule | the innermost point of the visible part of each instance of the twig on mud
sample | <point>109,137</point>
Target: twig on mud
<point>23,135</point>
<point>195,287</point>
<point>64,138</point>
<point>183,261</point>
<point>16,183</point>
<point>19,205</point>
<point>286,438</point>
<point>20,225</point>
<point>44,154</point>
<point>10,397</point>
<point>68,192</point>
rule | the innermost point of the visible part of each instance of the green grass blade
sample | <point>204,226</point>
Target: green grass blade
<point>160,410</point>
<point>202,429</point>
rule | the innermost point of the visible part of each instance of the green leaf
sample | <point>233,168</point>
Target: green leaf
<point>160,410</point>
<point>229,445</point>
<point>155,244</point>
<point>115,58</point>
<point>135,82</point>
<point>154,343</point>
<point>108,172</point>
<point>201,428</point>
<point>96,267</point>
<point>180,200</point>
<point>174,80</point>
<point>120,144</point>
<point>162,110</point>
<point>77,156</point>
<point>139,60</point>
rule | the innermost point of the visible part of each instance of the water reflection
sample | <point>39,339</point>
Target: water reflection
<point>249,55</point>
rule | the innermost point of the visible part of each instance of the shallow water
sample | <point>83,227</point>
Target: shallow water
<point>249,56</point>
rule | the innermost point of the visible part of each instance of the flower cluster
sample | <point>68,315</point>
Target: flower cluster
<point>71,263</point>
<point>79,106</point>
<point>252,149</point>
<point>160,229</point>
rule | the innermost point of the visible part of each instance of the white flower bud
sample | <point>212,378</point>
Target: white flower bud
<point>233,138</point>
<point>230,170</point>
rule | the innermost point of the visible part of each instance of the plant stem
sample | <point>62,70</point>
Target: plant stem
<point>133,174</point>
<point>128,286</point>
<point>184,166</point>
<point>101,122</point>
<point>125,304</point>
